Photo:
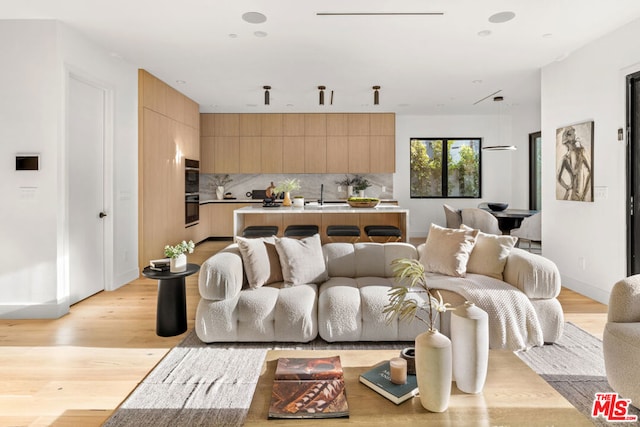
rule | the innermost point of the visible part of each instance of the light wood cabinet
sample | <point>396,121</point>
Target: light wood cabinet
<point>220,218</point>
<point>298,143</point>
<point>337,154</point>
<point>250,150</point>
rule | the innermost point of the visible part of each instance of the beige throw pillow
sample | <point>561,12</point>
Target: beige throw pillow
<point>447,250</point>
<point>489,255</point>
<point>261,261</point>
<point>302,260</point>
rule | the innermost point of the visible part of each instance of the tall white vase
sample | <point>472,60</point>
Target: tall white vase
<point>470,345</point>
<point>178,264</point>
<point>433,370</point>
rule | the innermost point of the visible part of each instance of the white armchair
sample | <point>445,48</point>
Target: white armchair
<point>621,339</point>
<point>481,220</point>
<point>530,230</point>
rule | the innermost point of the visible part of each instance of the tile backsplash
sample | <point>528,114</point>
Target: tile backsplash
<point>309,185</point>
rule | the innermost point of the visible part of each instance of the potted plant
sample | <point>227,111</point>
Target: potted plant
<point>219,181</point>
<point>286,187</point>
<point>361,184</point>
<point>178,259</point>
<point>347,182</point>
<point>298,201</point>
<point>433,356</point>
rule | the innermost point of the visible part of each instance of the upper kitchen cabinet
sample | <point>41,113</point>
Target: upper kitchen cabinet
<point>298,143</point>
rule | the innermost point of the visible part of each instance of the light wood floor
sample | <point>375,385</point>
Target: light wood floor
<point>74,371</point>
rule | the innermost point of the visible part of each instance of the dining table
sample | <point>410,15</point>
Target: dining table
<point>508,219</point>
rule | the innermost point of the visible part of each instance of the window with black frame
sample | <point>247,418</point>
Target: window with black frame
<point>445,168</point>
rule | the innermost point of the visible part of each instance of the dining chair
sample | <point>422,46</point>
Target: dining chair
<point>530,230</point>
<point>481,220</point>
<point>453,216</point>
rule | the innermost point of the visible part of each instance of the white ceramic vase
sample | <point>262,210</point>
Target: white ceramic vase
<point>220,192</point>
<point>349,191</point>
<point>470,347</point>
<point>178,264</point>
<point>433,370</point>
<point>298,202</point>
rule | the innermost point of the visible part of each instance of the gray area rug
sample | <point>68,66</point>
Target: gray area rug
<point>574,366</point>
<point>199,384</point>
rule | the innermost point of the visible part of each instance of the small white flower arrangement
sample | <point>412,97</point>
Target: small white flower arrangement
<point>287,185</point>
<point>179,249</point>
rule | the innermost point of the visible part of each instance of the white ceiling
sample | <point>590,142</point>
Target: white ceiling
<point>424,64</point>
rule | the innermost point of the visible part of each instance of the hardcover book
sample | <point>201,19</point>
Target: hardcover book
<point>379,379</point>
<point>309,388</point>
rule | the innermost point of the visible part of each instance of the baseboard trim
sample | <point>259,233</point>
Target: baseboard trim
<point>586,289</point>
<point>34,311</point>
<point>124,278</point>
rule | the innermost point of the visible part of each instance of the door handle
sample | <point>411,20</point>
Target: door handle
<point>102,215</point>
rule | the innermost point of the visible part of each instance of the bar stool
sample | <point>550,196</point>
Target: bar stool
<point>387,233</point>
<point>297,231</point>
<point>351,232</point>
<point>255,231</point>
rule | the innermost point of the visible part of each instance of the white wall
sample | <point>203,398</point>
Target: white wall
<point>35,55</point>
<point>504,179</point>
<point>589,85</point>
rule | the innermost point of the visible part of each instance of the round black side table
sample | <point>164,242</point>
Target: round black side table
<point>171,316</point>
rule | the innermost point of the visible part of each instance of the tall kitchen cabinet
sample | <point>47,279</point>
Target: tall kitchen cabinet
<point>168,132</point>
<point>298,143</point>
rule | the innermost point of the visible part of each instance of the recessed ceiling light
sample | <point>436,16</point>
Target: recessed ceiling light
<point>484,33</point>
<point>547,36</point>
<point>233,36</point>
<point>500,17</point>
<point>252,105</point>
<point>476,81</point>
<point>403,105</point>
<point>260,34</point>
<point>254,17</point>
<point>180,82</point>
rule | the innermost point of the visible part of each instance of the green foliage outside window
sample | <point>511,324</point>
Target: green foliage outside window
<point>432,176</point>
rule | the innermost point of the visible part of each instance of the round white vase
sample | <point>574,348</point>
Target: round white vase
<point>470,347</point>
<point>178,264</point>
<point>433,370</point>
<point>349,191</point>
<point>220,192</point>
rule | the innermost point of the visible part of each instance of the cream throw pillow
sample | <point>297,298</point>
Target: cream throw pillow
<point>447,250</point>
<point>302,260</point>
<point>261,261</point>
<point>489,255</point>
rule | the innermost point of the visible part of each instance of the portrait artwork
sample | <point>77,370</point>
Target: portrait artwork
<point>574,162</point>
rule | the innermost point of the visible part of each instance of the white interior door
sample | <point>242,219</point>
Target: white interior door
<point>86,141</point>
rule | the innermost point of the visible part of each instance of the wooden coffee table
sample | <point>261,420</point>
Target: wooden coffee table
<point>513,395</point>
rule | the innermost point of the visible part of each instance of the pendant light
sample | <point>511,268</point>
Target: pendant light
<point>499,147</point>
<point>376,95</point>
<point>266,94</point>
<point>321,99</point>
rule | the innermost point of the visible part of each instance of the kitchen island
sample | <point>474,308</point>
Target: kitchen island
<point>322,216</point>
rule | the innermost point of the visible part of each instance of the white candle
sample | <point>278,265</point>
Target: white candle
<point>398,370</point>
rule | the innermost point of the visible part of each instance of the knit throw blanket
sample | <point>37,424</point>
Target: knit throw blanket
<point>513,322</point>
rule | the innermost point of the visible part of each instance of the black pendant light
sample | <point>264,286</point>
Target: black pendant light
<point>376,95</point>
<point>321,96</point>
<point>266,94</point>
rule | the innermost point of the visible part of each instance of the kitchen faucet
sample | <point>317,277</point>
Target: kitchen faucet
<point>321,201</point>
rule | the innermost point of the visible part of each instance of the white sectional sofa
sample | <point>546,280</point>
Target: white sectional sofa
<point>346,301</point>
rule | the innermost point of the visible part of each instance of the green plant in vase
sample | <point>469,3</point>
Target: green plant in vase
<point>178,258</point>
<point>286,187</point>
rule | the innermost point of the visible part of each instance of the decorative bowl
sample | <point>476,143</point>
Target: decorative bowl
<point>498,207</point>
<point>363,202</point>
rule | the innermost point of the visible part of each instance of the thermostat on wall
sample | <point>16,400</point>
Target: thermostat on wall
<point>27,162</point>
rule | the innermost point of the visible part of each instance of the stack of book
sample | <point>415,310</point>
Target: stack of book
<point>159,264</point>
<point>379,379</point>
<point>309,388</point>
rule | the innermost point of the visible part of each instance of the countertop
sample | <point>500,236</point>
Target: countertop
<point>259,201</point>
<point>327,208</point>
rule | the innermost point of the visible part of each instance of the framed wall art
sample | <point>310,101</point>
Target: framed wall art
<point>574,162</point>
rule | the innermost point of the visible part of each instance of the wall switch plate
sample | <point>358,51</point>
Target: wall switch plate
<point>601,193</point>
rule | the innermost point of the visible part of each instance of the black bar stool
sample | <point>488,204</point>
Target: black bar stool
<point>351,232</point>
<point>254,231</point>
<point>384,233</point>
<point>300,231</point>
